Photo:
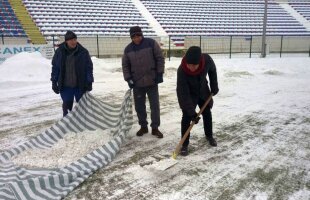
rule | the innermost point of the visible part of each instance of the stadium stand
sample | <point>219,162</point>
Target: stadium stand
<point>9,25</point>
<point>86,17</point>
<point>178,18</point>
<point>221,18</point>
<point>302,7</point>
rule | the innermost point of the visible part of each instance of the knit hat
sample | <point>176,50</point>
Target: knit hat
<point>70,35</point>
<point>193,55</point>
<point>135,30</point>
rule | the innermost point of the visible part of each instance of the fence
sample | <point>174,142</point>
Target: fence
<point>250,44</point>
<point>113,46</point>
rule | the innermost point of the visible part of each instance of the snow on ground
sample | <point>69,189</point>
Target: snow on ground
<point>261,122</point>
<point>72,147</point>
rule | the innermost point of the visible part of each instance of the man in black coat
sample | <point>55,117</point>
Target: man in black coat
<point>72,71</point>
<point>193,90</point>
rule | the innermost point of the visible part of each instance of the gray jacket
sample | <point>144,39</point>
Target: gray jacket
<point>143,63</point>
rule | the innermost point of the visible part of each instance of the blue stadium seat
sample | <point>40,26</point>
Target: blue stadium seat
<point>9,25</point>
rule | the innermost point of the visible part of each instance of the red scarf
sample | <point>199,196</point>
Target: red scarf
<point>197,71</point>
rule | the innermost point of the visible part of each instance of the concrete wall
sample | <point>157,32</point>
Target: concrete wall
<point>107,46</point>
<point>114,46</point>
<point>13,40</point>
<point>242,44</point>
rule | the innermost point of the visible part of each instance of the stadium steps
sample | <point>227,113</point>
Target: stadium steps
<point>301,19</point>
<point>25,20</point>
<point>152,22</point>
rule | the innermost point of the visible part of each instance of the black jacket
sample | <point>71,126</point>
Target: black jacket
<point>83,67</point>
<point>191,88</point>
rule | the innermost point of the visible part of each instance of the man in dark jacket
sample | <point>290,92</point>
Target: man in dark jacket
<point>143,66</point>
<point>193,90</point>
<point>72,71</point>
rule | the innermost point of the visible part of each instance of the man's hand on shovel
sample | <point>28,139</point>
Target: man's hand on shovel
<point>194,121</point>
<point>195,118</point>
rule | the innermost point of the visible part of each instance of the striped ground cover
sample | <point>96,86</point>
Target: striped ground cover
<point>90,113</point>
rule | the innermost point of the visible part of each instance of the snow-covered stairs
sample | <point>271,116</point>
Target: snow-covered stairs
<point>303,21</point>
<point>150,19</point>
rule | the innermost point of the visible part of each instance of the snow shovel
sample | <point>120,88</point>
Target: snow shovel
<point>177,149</point>
<point>164,164</point>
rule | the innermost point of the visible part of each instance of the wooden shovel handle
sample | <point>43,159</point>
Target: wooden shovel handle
<point>177,149</point>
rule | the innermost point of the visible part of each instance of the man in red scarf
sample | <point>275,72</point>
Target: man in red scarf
<point>193,90</point>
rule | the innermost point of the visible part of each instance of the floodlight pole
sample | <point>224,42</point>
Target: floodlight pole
<point>263,54</point>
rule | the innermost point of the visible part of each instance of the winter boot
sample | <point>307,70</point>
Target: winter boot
<point>184,151</point>
<point>157,133</point>
<point>211,141</point>
<point>143,130</point>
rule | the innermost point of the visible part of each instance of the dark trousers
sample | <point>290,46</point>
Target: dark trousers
<point>140,100</point>
<point>207,122</point>
<point>67,95</point>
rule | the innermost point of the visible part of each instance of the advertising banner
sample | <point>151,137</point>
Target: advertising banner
<point>7,51</point>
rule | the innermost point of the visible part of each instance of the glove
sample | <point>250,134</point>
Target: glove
<point>89,87</point>
<point>214,91</point>
<point>55,87</point>
<point>159,78</point>
<point>130,83</point>
<point>195,118</point>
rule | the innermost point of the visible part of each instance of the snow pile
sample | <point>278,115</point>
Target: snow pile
<point>26,67</point>
<point>67,150</point>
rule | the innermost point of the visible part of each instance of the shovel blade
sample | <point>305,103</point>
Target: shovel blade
<point>174,155</point>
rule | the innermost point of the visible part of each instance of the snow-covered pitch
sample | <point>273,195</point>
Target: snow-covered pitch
<point>261,122</point>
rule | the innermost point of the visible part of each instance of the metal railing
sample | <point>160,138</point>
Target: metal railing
<point>113,46</point>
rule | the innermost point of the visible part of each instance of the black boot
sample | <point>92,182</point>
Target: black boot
<point>184,151</point>
<point>143,130</point>
<point>157,133</point>
<point>211,141</point>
